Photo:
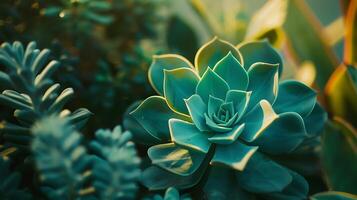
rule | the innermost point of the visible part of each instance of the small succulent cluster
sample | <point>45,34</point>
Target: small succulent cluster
<point>229,109</point>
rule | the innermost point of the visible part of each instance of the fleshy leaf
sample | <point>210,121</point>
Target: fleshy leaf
<point>196,107</point>
<point>212,52</point>
<point>228,137</point>
<point>260,51</point>
<point>315,122</point>
<point>153,115</point>
<point>262,175</point>
<point>186,134</point>
<point>338,156</point>
<point>240,100</point>
<point>263,82</point>
<point>165,62</point>
<point>211,84</point>
<point>213,105</point>
<point>296,97</point>
<point>174,158</point>
<point>283,135</point>
<point>235,155</point>
<point>257,120</point>
<point>232,72</point>
<point>297,189</point>
<point>214,126</point>
<point>333,195</point>
<point>179,84</point>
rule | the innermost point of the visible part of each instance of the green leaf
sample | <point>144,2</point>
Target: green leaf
<point>257,120</point>
<point>232,72</point>
<point>226,179</point>
<point>263,175</point>
<point>179,84</point>
<point>174,159</point>
<point>333,195</point>
<point>211,84</point>
<point>294,96</point>
<point>165,62</point>
<point>350,54</point>
<point>315,122</point>
<point>228,137</point>
<point>297,189</point>
<point>263,82</point>
<point>212,52</point>
<point>187,135</point>
<point>153,115</point>
<point>213,105</point>
<point>283,135</point>
<point>341,94</point>
<point>240,101</point>
<point>197,108</point>
<point>235,155</point>
<point>339,150</point>
<point>214,126</point>
<point>262,52</point>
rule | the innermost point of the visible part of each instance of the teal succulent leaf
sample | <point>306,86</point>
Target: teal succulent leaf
<point>115,171</point>
<point>171,193</point>
<point>263,82</point>
<point>284,135</point>
<point>153,115</point>
<point>211,84</point>
<point>175,159</point>
<point>160,64</point>
<point>232,72</point>
<point>179,84</point>
<point>296,97</point>
<point>186,134</point>
<point>236,114</point>
<point>235,155</point>
<point>263,175</point>
<point>212,52</point>
<point>260,51</point>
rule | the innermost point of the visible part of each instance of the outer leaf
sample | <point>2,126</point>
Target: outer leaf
<point>212,52</point>
<point>179,84</point>
<point>162,62</point>
<point>232,72</point>
<point>197,108</point>
<point>211,84</point>
<point>153,115</point>
<point>341,93</point>
<point>333,195</point>
<point>172,158</point>
<point>260,51</point>
<point>263,175</point>
<point>186,134</point>
<point>263,82</point>
<point>257,120</point>
<point>235,155</point>
<point>315,122</point>
<point>296,97</point>
<point>283,135</point>
<point>340,138</point>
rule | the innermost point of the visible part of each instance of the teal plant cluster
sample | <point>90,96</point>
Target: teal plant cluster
<point>229,109</point>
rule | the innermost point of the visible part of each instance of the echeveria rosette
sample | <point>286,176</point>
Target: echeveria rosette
<point>229,109</point>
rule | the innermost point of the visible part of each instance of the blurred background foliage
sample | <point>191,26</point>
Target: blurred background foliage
<point>105,47</point>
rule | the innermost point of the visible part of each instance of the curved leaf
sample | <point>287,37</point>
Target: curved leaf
<point>211,84</point>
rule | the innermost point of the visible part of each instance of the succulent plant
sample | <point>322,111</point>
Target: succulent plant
<point>171,193</point>
<point>228,109</point>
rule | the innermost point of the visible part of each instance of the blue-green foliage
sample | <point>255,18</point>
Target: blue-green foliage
<point>170,194</point>
<point>10,182</point>
<point>68,171</point>
<point>60,158</point>
<point>27,75</point>
<point>116,166</point>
